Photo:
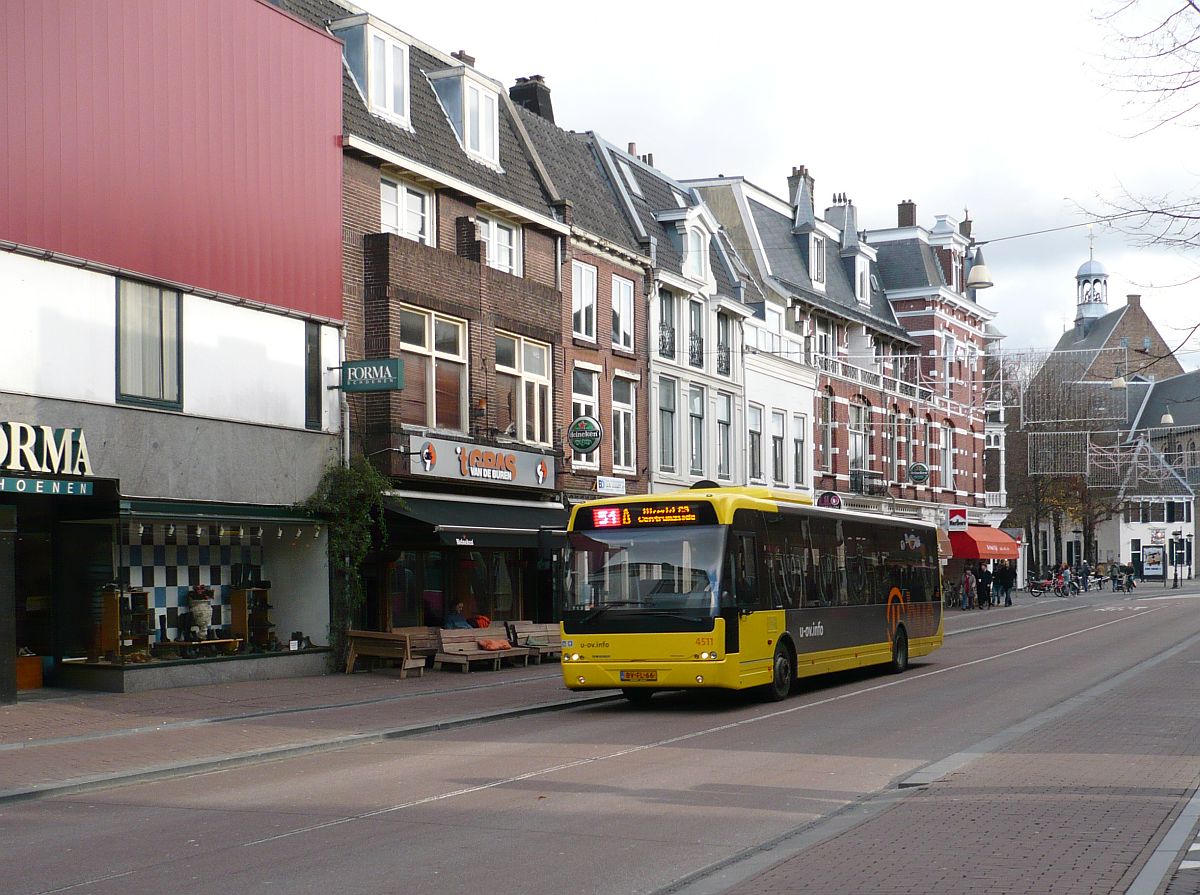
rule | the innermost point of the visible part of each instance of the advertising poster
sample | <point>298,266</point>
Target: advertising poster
<point>1152,562</point>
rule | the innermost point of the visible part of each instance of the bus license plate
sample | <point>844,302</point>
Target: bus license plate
<point>639,675</point>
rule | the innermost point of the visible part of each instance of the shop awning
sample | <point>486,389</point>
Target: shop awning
<point>476,522</point>
<point>945,548</point>
<point>983,542</point>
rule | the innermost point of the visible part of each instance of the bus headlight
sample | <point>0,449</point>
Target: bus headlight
<point>582,679</point>
<point>699,679</point>
<point>574,657</point>
<point>708,656</point>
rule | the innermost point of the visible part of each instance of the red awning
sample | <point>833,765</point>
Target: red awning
<point>983,542</point>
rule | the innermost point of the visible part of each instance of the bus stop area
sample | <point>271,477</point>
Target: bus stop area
<point>57,741</point>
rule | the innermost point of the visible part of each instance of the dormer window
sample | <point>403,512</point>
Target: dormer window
<point>631,181</point>
<point>473,108</point>
<point>694,255</point>
<point>816,260</point>
<point>378,59</point>
<point>861,290</point>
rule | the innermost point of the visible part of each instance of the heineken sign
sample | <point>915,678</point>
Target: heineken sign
<point>918,473</point>
<point>584,434</point>
<point>380,374</point>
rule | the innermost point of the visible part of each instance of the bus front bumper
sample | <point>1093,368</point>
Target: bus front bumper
<point>674,675</point>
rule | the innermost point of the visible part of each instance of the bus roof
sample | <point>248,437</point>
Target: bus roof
<point>728,499</point>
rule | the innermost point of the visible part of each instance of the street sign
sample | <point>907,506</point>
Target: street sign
<point>956,519</point>
<point>918,473</point>
<point>380,374</point>
<point>584,434</point>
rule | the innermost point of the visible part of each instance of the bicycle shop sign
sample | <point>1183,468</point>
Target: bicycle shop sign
<point>42,451</point>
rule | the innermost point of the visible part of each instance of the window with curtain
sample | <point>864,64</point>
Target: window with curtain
<point>149,344</point>
<point>666,424</point>
<point>623,412</point>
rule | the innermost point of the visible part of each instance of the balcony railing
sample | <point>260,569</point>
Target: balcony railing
<point>666,342</point>
<point>995,499</point>
<point>696,350</point>
<point>723,360</point>
<point>872,378</point>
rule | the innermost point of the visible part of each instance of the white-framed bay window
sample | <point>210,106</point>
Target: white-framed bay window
<point>433,348</point>
<point>406,210</point>
<point>799,450</point>
<point>502,243</point>
<point>523,388</point>
<point>778,434</point>
<point>622,313</point>
<point>583,301</point>
<point>584,403</point>
<point>624,435</point>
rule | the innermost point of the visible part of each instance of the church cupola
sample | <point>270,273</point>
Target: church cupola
<point>1091,291</point>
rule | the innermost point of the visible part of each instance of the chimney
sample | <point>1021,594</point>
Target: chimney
<point>794,186</point>
<point>1134,301</point>
<point>534,95</point>
<point>965,227</point>
<point>464,57</point>
<point>633,149</point>
<point>906,214</point>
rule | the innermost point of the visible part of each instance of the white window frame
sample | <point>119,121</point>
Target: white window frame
<point>778,441</point>
<point>724,435</point>
<point>149,345</point>
<point>668,427</point>
<point>622,313</point>
<point>476,140</point>
<point>799,450</point>
<point>827,428</point>
<point>694,261</point>
<point>695,314</point>
<point>754,432</point>
<point>388,87</point>
<point>585,405</point>
<point>947,458</point>
<point>859,426</point>
<point>489,229</point>
<point>434,356</point>
<point>541,426</point>
<point>697,396</point>
<point>397,220</point>
<point>583,301</point>
<point>816,257</point>
<point>624,428</point>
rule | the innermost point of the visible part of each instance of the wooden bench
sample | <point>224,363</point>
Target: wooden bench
<point>460,646</point>
<point>546,638</point>
<point>408,647</point>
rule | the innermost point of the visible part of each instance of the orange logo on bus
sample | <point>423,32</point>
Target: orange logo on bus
<point>895,611</point>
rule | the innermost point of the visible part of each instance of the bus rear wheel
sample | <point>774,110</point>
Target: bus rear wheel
<point>783,673</point>
<point>637,696</point>
<point>900,652</point>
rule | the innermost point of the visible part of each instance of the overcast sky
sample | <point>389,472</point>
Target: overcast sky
<point>1002,109</point>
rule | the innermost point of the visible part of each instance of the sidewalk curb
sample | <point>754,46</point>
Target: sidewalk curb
<point>276,753</point>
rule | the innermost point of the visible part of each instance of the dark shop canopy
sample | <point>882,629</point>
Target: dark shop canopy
<point>474,521</point>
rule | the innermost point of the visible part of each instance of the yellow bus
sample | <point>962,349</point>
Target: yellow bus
<point>741,587</point>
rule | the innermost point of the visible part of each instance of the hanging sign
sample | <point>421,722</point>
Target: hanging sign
<point>956,519</point>
<point>584,434</point>
<point>380,374</point>
<point>829,499</point>
<point>918,473</point>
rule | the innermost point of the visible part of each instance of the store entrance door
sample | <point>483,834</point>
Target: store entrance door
<point>8,605</point>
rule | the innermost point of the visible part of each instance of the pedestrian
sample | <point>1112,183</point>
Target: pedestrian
<point>1114,576</point>
<point>1010,580</point>
<point>1085,574</point>
<point>1066,580</point>
<point>968,589</point>
<point>984,580</point>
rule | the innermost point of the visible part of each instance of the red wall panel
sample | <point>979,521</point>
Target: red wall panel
<point>193,141</point>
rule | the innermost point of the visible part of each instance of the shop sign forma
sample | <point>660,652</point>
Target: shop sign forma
<point>380,374</point>
<point>44,450</point>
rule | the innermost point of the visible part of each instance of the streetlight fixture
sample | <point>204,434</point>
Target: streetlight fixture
<point>1176,542</point>
<point>1167,419</point>
<point>1189,556</point>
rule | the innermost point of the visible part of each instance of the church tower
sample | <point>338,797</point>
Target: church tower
<point>1091,290</point>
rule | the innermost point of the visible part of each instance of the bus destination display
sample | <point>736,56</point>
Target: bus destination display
<point>650,514</point>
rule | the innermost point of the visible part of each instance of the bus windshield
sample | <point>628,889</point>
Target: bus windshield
<point>644,571</point>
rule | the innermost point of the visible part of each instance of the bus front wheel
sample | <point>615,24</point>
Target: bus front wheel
<point>782,674</point>
<point>900,652</point>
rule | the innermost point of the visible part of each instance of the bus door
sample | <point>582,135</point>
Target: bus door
<point>746,623</point>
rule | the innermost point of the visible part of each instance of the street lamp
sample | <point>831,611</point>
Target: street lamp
<point>1176,541</point>
<point>1189,556</point>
